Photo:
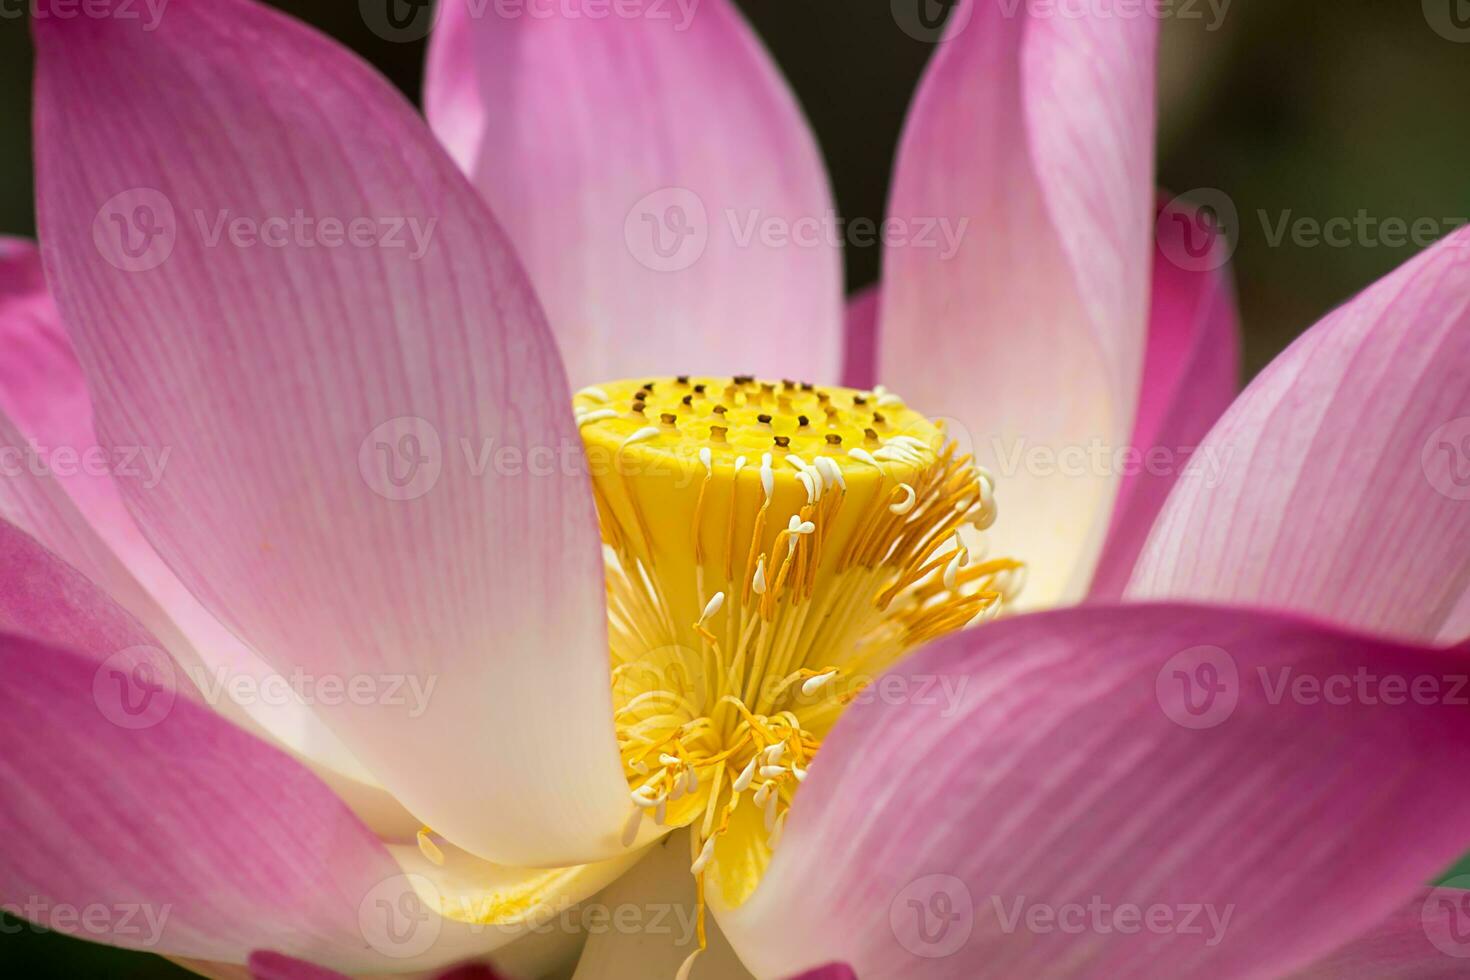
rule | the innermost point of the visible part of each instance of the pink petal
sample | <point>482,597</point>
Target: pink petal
<point>1036,132</point>
<point>1429,937</point>
<point>67,497</point>
<point>45,599</point>
<point>1190,376</point>
<point>37,504</point>
<point>591,136</point>
<point>265,965</point>
<point>1066,766</point>
<point>1346,468</point>
<point>285,378</point>
<point>182,834</point>
<point>860,348</point>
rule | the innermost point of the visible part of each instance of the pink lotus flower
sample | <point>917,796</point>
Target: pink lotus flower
<point>255,462</point>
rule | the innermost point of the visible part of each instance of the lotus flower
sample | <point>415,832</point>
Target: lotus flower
<point>337,404</point>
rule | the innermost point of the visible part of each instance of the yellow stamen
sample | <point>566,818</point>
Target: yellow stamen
<point>769,554</point>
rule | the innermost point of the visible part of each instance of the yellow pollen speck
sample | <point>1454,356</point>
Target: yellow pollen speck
<point>771,550</point>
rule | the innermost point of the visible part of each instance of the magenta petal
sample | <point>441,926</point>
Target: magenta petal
<point>1427,939</point>
<point>1069,762</point>
<point>185,835</point>
<point>1342,485</point>
<point>1190,376</point>
<point>334,400</point>
<point>41,388</point>
<point>860,339</point>
<point>832,971</point>
<point>645,163</point>
<point>265,965</point>
<point>1030,148</point>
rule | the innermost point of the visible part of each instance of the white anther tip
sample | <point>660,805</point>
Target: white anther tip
<point>907,503</point>
<point>742,782</point>
<point>586,418</point>
<point>647,432</point>
<point>712,607</point>
<point>705,853</point>
<point>812,685</point>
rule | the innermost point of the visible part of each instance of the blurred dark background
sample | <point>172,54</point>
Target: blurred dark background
<point>1296,109</point>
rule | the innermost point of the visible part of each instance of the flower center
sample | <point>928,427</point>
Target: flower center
<point>772,547</point>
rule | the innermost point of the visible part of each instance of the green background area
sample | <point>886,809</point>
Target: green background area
<point>1294,108</point>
